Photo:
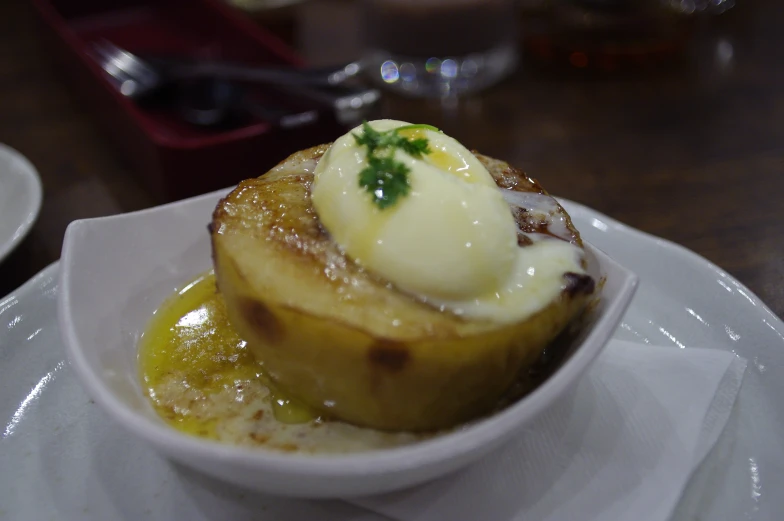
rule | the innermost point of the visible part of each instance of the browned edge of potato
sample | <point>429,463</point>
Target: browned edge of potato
<point>350,345</point>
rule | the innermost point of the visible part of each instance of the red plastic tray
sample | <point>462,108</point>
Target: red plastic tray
<point>173,159</point>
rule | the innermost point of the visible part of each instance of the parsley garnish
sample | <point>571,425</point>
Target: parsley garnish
<point>385,178</point>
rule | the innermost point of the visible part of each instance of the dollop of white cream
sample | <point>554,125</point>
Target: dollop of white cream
<point>451,241</point>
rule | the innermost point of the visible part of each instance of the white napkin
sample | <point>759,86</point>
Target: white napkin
<point>622,446</point>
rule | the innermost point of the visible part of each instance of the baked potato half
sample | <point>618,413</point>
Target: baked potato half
<point>350,345</point>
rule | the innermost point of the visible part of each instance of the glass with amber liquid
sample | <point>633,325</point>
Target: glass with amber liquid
<point>609,35</point>
<point>433,48</point>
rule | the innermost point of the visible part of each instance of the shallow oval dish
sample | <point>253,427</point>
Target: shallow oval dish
<point>115,272</point>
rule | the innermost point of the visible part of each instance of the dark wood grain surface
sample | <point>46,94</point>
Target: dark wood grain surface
<point>693,153</point>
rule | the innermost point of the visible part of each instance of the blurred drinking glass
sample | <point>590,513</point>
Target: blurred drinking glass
<point>437,48</point>
<point>610,35</point>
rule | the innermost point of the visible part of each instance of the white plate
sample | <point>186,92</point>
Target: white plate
<point>61,458</point>
<point>20,198</point>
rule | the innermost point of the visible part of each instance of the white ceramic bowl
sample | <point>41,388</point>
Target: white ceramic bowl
<point>115,271</point>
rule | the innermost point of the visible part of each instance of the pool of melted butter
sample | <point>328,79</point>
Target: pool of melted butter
<point>202,380</point>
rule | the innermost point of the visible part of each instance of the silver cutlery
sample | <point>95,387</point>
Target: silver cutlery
<point>137,78</point>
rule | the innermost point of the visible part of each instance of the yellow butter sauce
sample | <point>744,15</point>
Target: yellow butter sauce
<point>203,380</point>
<point>190,355</point>
<point>441,157</point>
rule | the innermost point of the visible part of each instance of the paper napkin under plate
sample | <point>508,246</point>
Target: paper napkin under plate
<point>621,446</point>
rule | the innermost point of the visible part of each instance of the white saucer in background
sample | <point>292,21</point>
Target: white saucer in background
<point>20,198</point>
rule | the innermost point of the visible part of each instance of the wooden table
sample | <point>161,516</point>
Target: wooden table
<point>694,154</point>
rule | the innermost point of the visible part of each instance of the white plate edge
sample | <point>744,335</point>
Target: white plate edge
<point>678,249</point>
<point>51,271</point>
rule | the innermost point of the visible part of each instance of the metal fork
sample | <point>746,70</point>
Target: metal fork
<point>136,78</point>
<point>121,60</point>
